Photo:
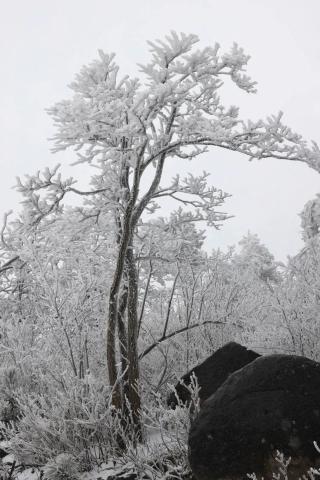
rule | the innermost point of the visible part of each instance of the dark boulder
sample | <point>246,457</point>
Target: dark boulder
<point>213,372</point>
<point>271,404</point>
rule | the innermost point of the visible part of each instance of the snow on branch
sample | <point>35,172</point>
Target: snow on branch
<point>50,182</point>
<point>173,107</point>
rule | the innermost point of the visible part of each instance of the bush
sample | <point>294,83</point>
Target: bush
<point>9,410</point>
<point>79,422</point>
<point>76,430</point>
<point>62,467</point>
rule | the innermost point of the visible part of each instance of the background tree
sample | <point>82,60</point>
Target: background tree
<point>310,219</point>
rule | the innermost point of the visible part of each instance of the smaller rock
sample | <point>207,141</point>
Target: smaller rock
<point>213,372</point>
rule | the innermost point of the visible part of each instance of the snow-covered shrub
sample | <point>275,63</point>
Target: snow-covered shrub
<point>62,467</point>
<point>79,422</point>
<point>280,468</point>
<point>77,430</point>
<point>9,384</point>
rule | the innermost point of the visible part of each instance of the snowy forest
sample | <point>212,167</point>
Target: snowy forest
<point>108,301</point>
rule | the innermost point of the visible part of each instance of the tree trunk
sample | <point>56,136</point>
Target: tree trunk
<point>111,350</point>
<point>123,340</point>
<point>126,235</point>
<point>133,358</point>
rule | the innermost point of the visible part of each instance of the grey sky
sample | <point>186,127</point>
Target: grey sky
<point>44,43</point>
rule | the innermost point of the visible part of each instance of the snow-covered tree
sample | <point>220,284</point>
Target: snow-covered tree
<point>310,218</point>
<point>255,256</point>
<point>55,292</point>
<point>128,129</point>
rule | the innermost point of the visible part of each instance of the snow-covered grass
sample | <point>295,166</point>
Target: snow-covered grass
<point>68,434</point>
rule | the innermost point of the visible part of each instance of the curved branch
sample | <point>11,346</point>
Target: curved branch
<point>184,329</point>
<point>8,264</point>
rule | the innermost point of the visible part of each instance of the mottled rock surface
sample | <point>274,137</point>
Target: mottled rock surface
<point>271,404</point>
<point>214,371</point>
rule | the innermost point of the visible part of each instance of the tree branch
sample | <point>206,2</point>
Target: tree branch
<point>184,329</point>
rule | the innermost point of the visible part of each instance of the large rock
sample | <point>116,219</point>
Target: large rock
<point>213,372</point>
<point>271,404</point>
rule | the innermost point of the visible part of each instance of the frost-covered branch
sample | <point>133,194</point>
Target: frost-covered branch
<point>182,330</point>
<point>50,182</point>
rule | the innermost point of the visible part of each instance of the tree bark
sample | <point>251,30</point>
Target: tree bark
<point>126,235</point>
<point>123,340</point>
<point>111,350</point>
<point>133,357</point>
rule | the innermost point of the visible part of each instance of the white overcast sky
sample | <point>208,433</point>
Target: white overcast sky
<point>43,43</point>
